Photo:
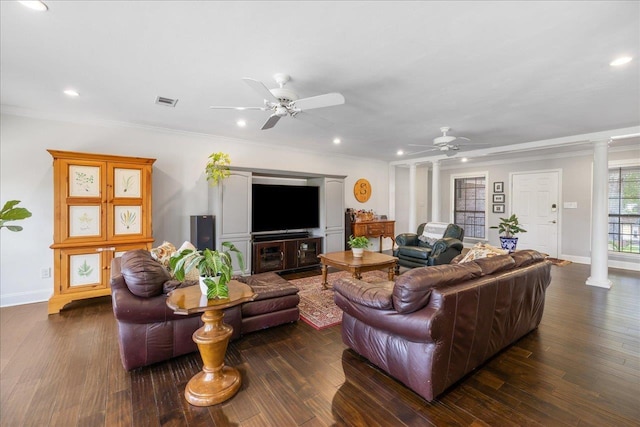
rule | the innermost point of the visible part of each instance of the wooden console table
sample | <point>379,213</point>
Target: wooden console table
<point>381,228</point>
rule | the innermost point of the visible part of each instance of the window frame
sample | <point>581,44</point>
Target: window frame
<point>618,164</point>
<point>477,174</point>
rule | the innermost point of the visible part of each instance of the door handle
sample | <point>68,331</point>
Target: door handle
<point>553,222</point>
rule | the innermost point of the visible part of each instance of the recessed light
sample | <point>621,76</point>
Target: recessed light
<point>241,123</point>
<point>35,5</point>
<point>620,61</point>
<point>464,160</point>
<point>400,153</point>
<point>71,92</point>
<point>336,141</point>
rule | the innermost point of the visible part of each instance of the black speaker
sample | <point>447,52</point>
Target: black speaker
<point>203,232</point>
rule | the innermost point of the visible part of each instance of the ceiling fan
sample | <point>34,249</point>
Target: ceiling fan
<point>285,102</point>
<point>444,143</point>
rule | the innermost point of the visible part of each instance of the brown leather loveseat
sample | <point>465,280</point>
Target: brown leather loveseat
<point>436,324</point>
<point>149,331</point>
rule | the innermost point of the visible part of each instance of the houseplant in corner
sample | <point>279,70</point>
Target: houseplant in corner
<point>10,213</point>
<point>508,228</point>
<point>358,245</point>
<point>215,268</point>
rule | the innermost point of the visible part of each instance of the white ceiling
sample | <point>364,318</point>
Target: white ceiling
<point>500,73</point>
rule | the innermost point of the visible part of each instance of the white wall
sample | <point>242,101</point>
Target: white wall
<point>179,185</point>
<point>576,186</point>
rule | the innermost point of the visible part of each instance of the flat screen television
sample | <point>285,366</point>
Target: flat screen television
<point>284,207</point>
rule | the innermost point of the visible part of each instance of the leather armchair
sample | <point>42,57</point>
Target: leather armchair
<point>415,251</point>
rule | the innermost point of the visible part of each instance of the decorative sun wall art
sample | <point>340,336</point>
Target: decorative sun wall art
<point>84,221</point>
<point>126,182</point>
<point>84,181</point>
<point>85,269</point>
<point>127,220</point>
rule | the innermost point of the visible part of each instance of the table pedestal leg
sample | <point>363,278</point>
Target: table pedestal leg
<point>216,382</point>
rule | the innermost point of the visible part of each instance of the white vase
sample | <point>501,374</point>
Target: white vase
<point>357,252</point>
<point>203,286</point>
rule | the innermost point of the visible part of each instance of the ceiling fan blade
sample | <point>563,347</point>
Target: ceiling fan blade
<point>463,137</point>
<point>271,122</point>
<point>320,101</point>
<point>216,107</point>
<point>423,151</point>
<point>259,87</point>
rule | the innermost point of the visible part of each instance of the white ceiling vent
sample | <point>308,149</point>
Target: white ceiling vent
<point>167,102</point>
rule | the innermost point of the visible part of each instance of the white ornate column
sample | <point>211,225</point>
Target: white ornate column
<point>412,197</point>
<point>600,217</point>
<point>392,192</point>
<point>435,191</point>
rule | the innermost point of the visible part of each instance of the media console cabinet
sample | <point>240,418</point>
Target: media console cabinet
<point>278,253</point>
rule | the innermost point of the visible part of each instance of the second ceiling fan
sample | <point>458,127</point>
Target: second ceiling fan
<point>448,144</point>
<point>285,102</point>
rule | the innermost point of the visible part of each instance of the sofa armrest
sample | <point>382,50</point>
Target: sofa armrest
<point>407,239</point>
<point>130,308</point>
<point>374,295</point>
<point>445,243</point>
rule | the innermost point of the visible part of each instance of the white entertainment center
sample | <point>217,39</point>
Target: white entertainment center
<point>230,202</point>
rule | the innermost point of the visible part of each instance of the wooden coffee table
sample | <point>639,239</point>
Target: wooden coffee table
<point>216,382</point>
<point>347,262</point>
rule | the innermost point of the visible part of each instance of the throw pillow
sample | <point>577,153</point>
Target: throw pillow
<point>192,274</point>
<point>143,275</point>
<point>163,253</point>
<point>482,250</point>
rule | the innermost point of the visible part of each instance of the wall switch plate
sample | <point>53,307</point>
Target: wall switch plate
<point>570,205</point>
<point>45,273</point>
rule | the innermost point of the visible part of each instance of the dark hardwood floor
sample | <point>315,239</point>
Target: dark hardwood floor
<point>579,368</point>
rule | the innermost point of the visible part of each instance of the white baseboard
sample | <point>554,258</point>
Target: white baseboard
<point>623,265</point>
<point>21,298</point>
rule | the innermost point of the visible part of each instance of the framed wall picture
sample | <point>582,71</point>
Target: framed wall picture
<point>498,198</point>
<point>498,208</point>
<point>498,187</point>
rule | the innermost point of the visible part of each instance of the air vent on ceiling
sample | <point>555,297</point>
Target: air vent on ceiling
<point>167,102</point>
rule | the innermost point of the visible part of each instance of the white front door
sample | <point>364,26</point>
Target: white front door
<point>536,204</point>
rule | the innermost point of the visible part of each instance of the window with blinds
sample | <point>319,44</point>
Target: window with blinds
<point>624,209</point>
<point>470,205</point>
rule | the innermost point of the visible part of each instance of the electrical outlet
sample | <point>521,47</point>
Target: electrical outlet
<point>45,273</point>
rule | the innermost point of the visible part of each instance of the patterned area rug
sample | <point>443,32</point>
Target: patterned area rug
<point>316,304</point>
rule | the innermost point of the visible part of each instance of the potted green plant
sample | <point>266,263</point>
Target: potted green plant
<point>358,245</point>
<point>10,213</point>
<point>217,167</point>
<point>215,268</point>
<point>508,228</point>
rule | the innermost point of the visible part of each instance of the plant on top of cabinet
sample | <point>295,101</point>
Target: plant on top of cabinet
<point>217,167</point>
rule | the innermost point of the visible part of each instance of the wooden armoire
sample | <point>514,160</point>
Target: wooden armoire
<point>102,208</point>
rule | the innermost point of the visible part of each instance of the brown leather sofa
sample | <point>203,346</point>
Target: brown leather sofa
<point>149,331</point>
<point>436,324</point>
